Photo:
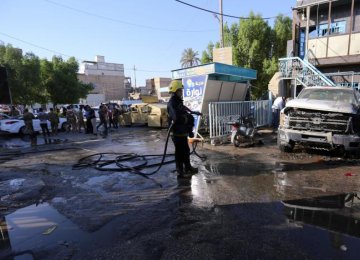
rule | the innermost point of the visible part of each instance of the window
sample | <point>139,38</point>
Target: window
<point>322,29</point>
<point>338,27</point>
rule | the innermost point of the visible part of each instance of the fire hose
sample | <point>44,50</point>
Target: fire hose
<point>132,162</point>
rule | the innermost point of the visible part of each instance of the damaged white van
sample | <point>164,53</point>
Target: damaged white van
<point>326,118</point>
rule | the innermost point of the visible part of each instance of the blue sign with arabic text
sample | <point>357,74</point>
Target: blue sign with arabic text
<point>194,88</point>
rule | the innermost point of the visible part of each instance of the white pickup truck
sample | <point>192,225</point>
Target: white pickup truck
<point>325,118</point>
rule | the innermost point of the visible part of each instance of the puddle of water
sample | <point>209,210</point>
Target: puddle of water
<point>36,226</point>
<point>97,180</point>
<point>13,144</point>
<point>332,221</point>
<point>339,213</point>
<point>24,142</point>
<point>317,235</point>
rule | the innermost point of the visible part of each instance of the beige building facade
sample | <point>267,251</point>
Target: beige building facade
<point>327,33</point>
<point>108,79</point>
<point>325,47</point>
<point>154,85</point>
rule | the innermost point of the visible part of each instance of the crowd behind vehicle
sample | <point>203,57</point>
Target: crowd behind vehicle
<point>78,118</point>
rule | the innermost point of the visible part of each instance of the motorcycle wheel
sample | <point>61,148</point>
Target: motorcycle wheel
<point>237,140</point>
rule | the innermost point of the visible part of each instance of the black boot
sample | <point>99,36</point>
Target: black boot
<point>191,170</point>
<point>179,168</point>
<point>181,173</point>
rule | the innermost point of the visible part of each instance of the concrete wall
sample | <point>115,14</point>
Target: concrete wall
<point>93,99</point>
<point>107,78</point>
<point>111,86</point>
<point>156,83</point>
<point>355,43</point>
<point>274,84</point>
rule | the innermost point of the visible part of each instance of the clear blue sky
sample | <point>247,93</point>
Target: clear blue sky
<point>147,34</point>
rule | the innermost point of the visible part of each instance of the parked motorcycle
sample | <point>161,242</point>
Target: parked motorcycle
<point>244,131</point>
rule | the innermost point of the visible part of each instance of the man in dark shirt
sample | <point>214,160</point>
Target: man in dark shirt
<point>28,117</point>
<point>29,128</point>
<point>103,115</point>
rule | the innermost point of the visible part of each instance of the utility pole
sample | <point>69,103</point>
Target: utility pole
<point>221,25</point>
<point>134,77</point>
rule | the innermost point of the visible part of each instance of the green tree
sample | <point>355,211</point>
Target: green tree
<point>32,80</point>
<point>228,35</point>
<point>207,55</point>
<point>253,47</point>
<point>257,46</point>
<point>23,75</point>
<point>254,42</point>
<point>189,58</point>
<point>60,80</point>
<point>283,33</point>
<point>31,89</point>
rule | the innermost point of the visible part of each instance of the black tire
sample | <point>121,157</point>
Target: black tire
<point>22,130</point>
<point>65,126</point>
<point>260,142</point>
<point>286,148</point>
<point>236,140</point>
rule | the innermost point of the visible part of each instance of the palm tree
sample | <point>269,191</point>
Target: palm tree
<point>189,58</point>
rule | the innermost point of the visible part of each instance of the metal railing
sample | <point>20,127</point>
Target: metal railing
<point>303,71</point>
<point>221,113</point>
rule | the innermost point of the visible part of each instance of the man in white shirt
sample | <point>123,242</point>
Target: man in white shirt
<point>43,117</point>
<point>279,103</point>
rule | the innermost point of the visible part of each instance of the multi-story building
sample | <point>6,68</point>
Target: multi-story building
<point>108,79</point>
<point>154,85</point>
<point>325,45</point>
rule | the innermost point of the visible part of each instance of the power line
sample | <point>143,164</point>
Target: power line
<point>124,22</point>
<point>227,15</point>
<point>35,45</point>
<point>66,55</point>
<point>144,70</point>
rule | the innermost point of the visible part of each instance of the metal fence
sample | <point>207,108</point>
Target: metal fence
<point>221,113</point>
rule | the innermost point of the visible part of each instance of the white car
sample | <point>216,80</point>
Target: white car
<point>17,125</point>
<point>4,116</point>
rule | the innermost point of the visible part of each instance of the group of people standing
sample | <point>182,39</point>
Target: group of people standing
<point>108,116</point>
<point>77,119</point>
<point>52,117</point>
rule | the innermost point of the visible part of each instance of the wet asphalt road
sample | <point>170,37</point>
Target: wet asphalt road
<point>246,203</point>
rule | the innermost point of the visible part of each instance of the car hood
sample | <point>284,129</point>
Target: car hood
<point>320,105</point>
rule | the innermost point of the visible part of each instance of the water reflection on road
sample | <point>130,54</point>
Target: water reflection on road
<point>18,142</point>
<point>260,207</point>
<point>36,226</point>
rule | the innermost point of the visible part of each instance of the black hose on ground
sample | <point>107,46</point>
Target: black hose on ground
<point>100,161</point>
